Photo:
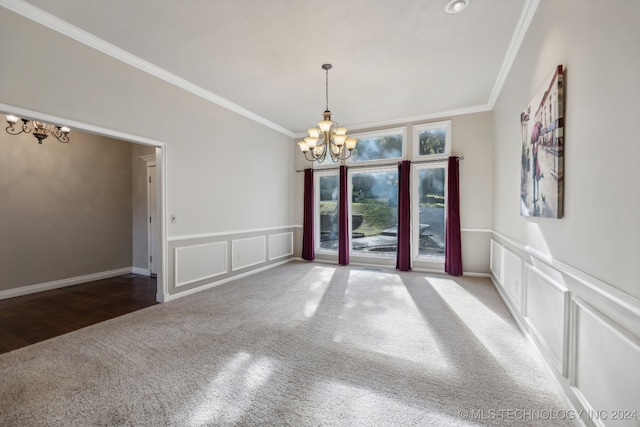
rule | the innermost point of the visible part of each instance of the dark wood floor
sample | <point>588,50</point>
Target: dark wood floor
<point>32,318</point>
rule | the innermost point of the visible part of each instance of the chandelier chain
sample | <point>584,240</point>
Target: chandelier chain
<point>326,89</point>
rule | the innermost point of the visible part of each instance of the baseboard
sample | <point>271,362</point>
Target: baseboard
<point>170,297</point>
<point>40,287</point>
<point>141,271</point>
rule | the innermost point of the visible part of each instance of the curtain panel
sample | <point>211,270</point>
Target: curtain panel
<point>453,244</point>
<point>343,218</point>
<point>403,248</point>
<point>308,249</point>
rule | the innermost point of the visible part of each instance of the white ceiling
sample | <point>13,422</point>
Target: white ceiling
<point>393,60</point>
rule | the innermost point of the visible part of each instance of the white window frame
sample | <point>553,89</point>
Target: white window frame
<point>316,210</point>
<point>415,209</point>
<point>430,126</point>
<point>350,173</point>
<point>381,133</point>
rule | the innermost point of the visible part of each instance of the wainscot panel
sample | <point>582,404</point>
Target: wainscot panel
<point>586,331</point>
<point>512,277</point>
<point>280,245</point>
<point>606,365</point>
<point>248,252</point>
<point>496,260</point>
<point>547,312</point>
<point>199,262</point>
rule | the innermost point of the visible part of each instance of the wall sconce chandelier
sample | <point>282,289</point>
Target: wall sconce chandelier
<point>327,137</point>
<point>40,130</point>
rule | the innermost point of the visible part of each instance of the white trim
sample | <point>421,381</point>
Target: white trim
<point>35,115</point>
<point>263,243</point>
<point>561,362</point>
<point>47,286</point>
<point>415,144</point>
<point>621,298</point>
<point>429,116</point>
<point>149,159</point>
<point>227,233</point>
<point>176,264</point>
<point>223,281</point>
<point>476,230</point>
<point>528,11</point>
<point>141,271</point>
<point>290,233</point>
<point>56,24</point>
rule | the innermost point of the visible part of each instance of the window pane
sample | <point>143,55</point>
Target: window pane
<point>432,141</point>
<point>378,148</point>
<point>374,210</point>
<point>329,212</point>
<point>431,211</point>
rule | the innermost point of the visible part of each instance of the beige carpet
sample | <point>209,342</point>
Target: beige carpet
<point>303,344</point>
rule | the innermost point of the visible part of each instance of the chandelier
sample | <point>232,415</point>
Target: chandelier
<point>40,130</point>
<point>327,137</point>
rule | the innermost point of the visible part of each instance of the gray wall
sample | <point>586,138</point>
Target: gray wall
<point>597,43</point>
<point>66,208</point>
<point>572,283</point>
<point>224,173</point>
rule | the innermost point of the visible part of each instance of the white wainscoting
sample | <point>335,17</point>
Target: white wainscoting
<point>280,245</point>
<point>248,252</point>
<point>495,262</point>
<point>512,277</point>
<point>606,367</point>
<point>586,330</point>
<point>547,312</point>
<point>199,262</point>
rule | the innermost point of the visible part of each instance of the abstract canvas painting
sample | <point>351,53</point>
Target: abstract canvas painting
<point>541,177</point>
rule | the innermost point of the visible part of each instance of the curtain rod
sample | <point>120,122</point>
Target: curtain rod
<point>379,165</point>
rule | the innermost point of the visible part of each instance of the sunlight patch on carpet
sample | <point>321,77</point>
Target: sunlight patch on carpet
<point>321,278</point>
<point>389,321</point>
<point>231,393</point>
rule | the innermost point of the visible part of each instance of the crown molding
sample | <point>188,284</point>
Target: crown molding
<point>46,19</point>
<point>528,11</point>
<point>56,24</point>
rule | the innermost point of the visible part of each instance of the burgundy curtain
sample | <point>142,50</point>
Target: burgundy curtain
<point>343,219</point>
<point>308,251</point>
<point>403,249</point>
<point>453,252</point>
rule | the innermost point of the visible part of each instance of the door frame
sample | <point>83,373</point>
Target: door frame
<point>152,211</point>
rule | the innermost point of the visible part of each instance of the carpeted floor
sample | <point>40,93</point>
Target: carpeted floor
<point>302,344</point>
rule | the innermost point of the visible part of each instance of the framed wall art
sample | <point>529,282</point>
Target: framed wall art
<point>542,170</point>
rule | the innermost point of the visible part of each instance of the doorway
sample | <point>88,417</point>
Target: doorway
<point>158,245</point>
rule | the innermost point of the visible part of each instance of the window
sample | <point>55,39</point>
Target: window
<point>432,140</point>
<point>428,214</point>
<point>326,192</point>
<point>373,197</point>
<point>374,211</point>
<point>379,146</point>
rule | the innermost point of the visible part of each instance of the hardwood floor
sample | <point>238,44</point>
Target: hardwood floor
<point>32,318</point>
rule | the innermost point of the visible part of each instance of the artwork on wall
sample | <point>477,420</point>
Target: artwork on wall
<point>541,176</point>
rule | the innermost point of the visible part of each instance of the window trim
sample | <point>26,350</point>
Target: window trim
<point>429,126</point>
<point>381,133</point>
<point>316,214</point>
<point>415,209</point>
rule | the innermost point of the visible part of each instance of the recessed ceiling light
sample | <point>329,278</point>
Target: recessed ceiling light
<point>456,6</point>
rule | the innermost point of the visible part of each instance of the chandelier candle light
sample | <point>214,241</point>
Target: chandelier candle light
<point>39,129</point>
<point>327,137</point>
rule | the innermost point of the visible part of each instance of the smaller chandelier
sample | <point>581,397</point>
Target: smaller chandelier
<point>40,130</point>
<point>327,137</point>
